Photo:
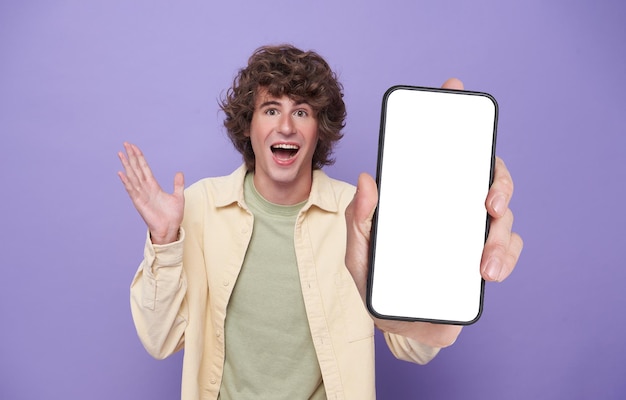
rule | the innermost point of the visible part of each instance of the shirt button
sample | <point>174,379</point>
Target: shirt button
<point>225,283</point>
<point>218,333</point>
<point>213,381</point>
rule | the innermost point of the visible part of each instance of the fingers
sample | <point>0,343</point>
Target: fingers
<point>501,190</point>
<point>453,83</point>
<point>515,249</point>
<point>128,162</point>
<point>135,165</point>
<point>502,249</point>
<point>137,176</point>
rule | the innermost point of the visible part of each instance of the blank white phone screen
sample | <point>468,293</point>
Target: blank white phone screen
<point>435,165</point>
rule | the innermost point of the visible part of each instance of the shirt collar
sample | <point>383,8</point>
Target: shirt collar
<point>322,192</point>
<point>231,188</point>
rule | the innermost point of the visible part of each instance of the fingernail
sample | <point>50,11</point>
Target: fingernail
<point>498,204</point>
<point>493,269</point>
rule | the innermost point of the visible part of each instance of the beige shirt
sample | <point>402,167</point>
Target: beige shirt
<point>180,293</point>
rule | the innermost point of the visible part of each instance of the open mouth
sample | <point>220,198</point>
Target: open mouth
<point>284,151</point>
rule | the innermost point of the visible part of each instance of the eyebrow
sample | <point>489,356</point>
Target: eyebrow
<point>269,103</point>
<point>277,103</point>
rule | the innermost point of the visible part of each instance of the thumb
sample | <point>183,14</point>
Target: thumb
<point>364,203</point>
<point>359,222</point>
<point>179,184</point>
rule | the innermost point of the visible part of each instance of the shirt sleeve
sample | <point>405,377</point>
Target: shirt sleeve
<point>410,350</point>
<point>157,296</point>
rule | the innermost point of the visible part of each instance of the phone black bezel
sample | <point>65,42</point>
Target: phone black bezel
<point>372,248</point>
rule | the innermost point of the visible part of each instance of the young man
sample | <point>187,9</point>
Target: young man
<point>261,275</point>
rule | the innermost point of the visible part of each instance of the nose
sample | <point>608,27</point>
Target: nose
<point>286,125</point>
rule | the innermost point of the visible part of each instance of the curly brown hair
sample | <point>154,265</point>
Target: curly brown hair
<point>303,76</point>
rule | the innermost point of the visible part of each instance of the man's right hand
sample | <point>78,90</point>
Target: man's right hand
<point>161,211</point>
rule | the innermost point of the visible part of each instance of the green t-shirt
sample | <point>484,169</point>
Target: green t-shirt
<point>269,350</point>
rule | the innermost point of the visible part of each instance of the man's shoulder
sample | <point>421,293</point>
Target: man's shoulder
<point>223,188</point>
<point>332,190</point>
<point>342,186</point>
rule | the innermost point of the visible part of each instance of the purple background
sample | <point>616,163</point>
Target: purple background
<point>77,78</point>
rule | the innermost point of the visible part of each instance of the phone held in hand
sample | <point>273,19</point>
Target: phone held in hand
<point>435,166</point>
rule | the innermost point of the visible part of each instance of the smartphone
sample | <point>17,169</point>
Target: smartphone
<point>435,166</point>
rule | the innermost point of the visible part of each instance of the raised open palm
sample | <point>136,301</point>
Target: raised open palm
<point>161,211</point>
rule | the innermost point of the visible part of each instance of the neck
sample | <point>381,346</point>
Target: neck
<point>285,194</point>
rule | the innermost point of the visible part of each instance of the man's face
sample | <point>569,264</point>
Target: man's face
<point>283,136</point>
